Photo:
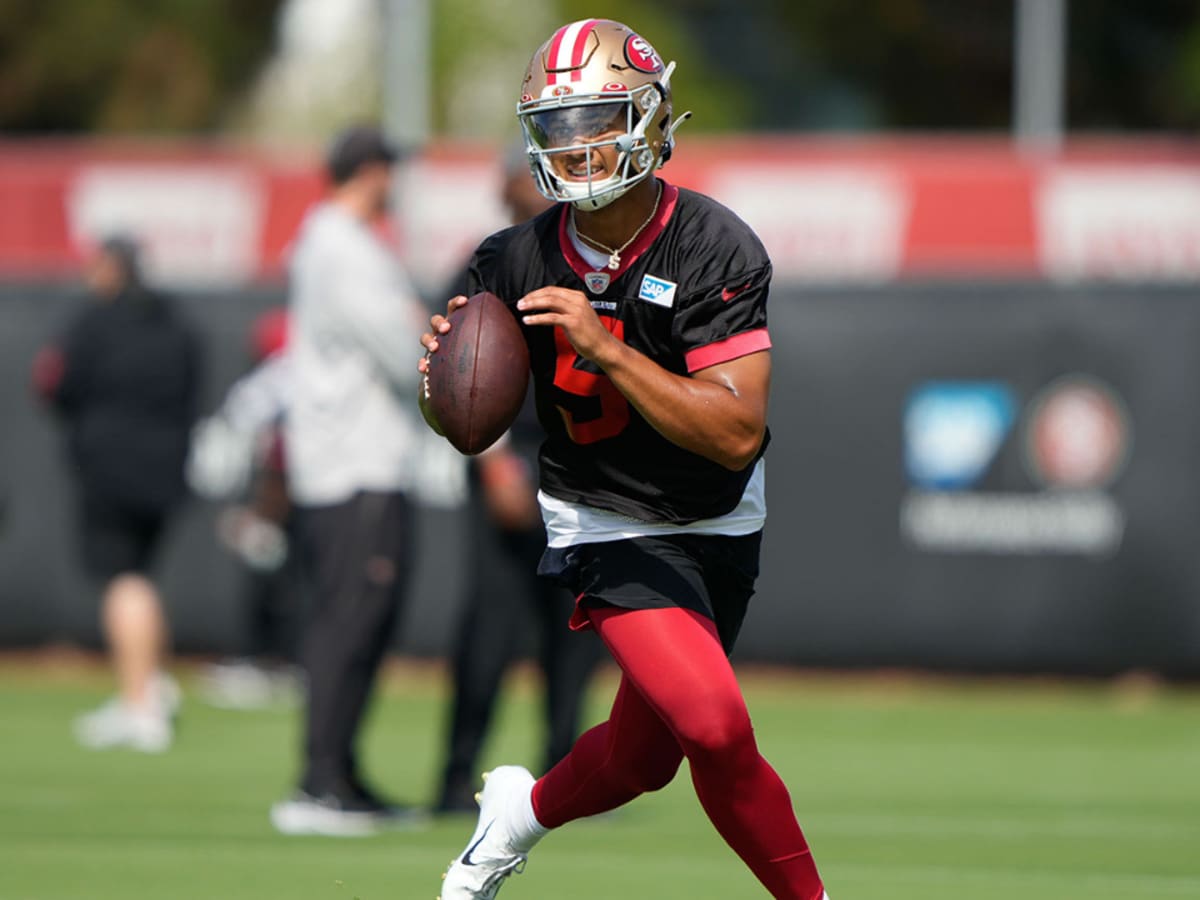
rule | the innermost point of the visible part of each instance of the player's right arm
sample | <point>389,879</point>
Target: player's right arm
<point>718,411</point>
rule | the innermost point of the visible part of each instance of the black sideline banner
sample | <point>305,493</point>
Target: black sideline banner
<point>996,479</point>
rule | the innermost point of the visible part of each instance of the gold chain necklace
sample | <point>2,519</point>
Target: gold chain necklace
<point>614,256</point>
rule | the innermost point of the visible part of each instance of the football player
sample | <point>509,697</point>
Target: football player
<point>644,308</point>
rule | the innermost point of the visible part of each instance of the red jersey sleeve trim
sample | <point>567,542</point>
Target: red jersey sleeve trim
<point>731,348</point>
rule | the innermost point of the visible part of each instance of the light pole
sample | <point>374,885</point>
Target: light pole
<point>406,63</point>
<point>1039,55</point>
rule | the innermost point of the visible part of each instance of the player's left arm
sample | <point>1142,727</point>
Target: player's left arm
<point>718,412</point>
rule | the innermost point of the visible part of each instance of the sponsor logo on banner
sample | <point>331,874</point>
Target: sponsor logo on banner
<point>198,224</point>
<point>822,223</point>
<point>658,291</point>
<point>1077,435</point>
<point>1074,438</point>
<point>953,431</point>
<point>1121,223</point>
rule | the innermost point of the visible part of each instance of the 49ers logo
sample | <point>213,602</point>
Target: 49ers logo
<point>641,55</point>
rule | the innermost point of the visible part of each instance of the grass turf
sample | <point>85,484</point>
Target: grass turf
<point>909,789</point>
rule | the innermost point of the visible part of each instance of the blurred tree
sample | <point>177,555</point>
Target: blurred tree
<point>326,70</point>
<point>1134,64</point>
<point>827,64</point>
<point>127,65</point>
<point>719,93</point>
<point>480,51</point>
<point>1186,92</point>
<point>183,65</point>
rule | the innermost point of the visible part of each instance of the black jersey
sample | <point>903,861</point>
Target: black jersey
<point>690,293</point>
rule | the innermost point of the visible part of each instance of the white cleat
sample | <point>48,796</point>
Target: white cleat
<point>148,728</point>
<point>490,857</point>
<point>115,724</point>
<point>166,694</point>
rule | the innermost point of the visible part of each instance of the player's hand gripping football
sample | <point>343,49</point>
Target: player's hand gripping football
<point>572,312</point>
<point>438,325</point>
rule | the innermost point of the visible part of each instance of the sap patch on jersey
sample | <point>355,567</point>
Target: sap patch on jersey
<point>657,290</point>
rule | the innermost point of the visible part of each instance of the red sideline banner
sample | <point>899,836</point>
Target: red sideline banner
<point>829,210</point>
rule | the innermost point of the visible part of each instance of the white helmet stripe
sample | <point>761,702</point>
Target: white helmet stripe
<point>567,48</point>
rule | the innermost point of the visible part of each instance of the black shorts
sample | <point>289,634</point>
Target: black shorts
<point>710,574</point>
<point>116,539</point>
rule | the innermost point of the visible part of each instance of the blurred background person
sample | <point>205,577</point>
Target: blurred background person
<point>124,378</point>
<point>350,438</point>
<point>237,458</point>
<point>504,595</point>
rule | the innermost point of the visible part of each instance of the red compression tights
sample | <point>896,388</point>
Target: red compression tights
<point>679,698</point>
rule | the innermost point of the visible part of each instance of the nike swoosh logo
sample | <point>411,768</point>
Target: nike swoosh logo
<point>466,857</point>
<point>728,294</point>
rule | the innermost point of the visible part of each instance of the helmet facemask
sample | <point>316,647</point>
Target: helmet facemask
<point>577,127</point>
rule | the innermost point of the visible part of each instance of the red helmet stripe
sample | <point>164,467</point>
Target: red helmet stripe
<point>567,48</point>
<point>552,54</point>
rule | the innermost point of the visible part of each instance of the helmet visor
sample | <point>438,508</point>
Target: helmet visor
<point>569,126</point>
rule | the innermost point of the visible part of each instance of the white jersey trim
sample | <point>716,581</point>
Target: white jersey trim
<point>569,524</point>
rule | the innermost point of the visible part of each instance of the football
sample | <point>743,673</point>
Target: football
<point>476,381</point>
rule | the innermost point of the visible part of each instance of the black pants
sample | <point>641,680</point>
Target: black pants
<point>505,596</point>
<point>358,554</point>
<point>271,607</point>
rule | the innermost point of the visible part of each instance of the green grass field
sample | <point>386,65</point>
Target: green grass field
<point>909,789</point>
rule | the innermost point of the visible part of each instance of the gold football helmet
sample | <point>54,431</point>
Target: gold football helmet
<point>596,83</point>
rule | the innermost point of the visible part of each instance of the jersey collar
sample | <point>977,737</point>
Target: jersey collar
<point>581,266</point>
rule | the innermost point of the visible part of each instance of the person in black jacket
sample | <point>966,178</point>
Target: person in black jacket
<point>123,378</point>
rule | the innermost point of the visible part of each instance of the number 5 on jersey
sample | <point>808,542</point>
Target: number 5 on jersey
<point>590,404</point>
